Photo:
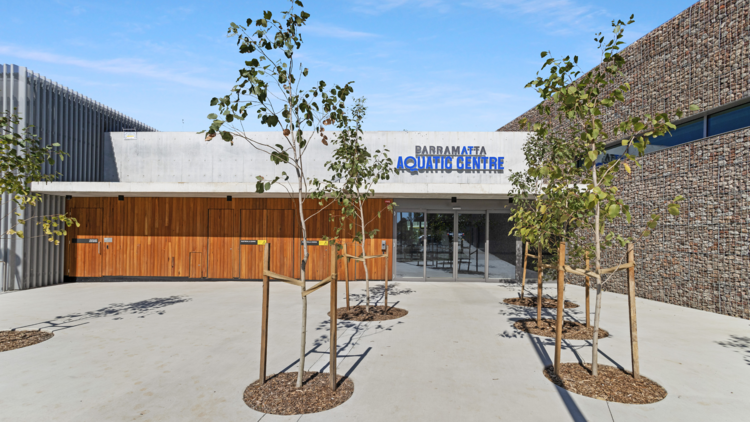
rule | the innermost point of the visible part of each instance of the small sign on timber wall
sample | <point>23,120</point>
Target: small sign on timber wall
<point>253,242</point>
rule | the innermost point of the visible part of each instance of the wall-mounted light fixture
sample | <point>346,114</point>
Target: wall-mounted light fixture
<point>120,197</point>
<point>453,199</point>
<point>229,198</point>
<point>68,197</point>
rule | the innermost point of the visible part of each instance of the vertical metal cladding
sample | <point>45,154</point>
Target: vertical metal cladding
<point>57,115</point>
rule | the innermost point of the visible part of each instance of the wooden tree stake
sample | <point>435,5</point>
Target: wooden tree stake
<point>346,274</point>
<point>387,258</point>
<point>588,286</point>
<point>264,319</point>
<point>539,286</point>
<point>560,306</point>
<point>523,278</point>
<point>334,318</point>
<point>631,308</point>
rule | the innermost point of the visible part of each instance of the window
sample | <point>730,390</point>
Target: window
<point>728,120</point>
<point>684,133</point>
<point>715,124</point>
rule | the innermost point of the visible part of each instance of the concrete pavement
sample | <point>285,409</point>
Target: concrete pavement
<point>179,351</point>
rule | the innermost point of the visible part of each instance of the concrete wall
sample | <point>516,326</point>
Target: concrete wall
<point>168,157</point>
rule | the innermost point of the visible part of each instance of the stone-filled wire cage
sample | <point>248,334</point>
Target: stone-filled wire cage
<point>699,259</point>
<point>57,115</point>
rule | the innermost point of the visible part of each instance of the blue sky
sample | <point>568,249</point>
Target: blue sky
<point>427,65</point>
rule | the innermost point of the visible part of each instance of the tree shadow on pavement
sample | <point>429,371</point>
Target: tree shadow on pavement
<point>377,293</point>
<point>739,344</point>
<point>518,313</point>
<point>352,332</point>
<point>142,309</point>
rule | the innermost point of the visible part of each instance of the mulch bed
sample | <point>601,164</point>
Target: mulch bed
<point>10,340</point>
<point>571,330</point>
<point>531,302</point>
<point>377,313</point>
<point>612,384</point>
<point>280,395</point>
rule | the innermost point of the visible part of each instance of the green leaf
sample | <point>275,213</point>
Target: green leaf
<point>614,210</point>
<point>694,107</point>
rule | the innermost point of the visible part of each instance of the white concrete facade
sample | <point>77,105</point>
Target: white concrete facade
<point>184,164</point>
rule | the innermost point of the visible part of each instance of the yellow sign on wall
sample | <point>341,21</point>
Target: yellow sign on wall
<point>262,242</point>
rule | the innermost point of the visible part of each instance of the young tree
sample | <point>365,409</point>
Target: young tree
<point>541,213</point>
<point>22,158</point>
<point>569,120</point>
<point>270,85</point>
<point>354,173</point>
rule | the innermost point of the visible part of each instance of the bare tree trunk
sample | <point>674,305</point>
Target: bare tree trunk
<point>523,278</point>
<point>597,264</point>
<point>540,274</point>
<point>364,261</point>
<point>303,339</point>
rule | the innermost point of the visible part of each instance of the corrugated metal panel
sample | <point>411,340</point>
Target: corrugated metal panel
<point>58,115</point>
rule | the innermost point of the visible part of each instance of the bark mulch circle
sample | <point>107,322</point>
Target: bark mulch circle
<point>10,340</point>
<point>612,384</point>
<point>571,330</point>
<point>280,395</point>
<point>377,313</point>
<point>531,302</point>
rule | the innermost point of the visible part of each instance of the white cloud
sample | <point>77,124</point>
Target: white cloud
<point>122,66</point>
<point>561,15</point>
<point>336,32</point>
<point>376,7</point>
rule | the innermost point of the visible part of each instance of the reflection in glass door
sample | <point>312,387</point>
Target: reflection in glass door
<point>439,257</point>
<point>471,246</point>
<point>502,251</point>
<point>410,245</point>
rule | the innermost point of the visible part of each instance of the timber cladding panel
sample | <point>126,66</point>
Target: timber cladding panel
<point>209,237</point>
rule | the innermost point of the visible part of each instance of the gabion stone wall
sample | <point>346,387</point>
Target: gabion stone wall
<point>701,258</point>
<point>701,56</point>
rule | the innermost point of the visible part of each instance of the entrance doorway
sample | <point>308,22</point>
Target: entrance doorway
<point>439,257</point>
<point>410,231</point>
<point>471,245</point>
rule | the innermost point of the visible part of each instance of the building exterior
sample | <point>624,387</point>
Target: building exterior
<point>701,258</point>
<point>58,115</point>
<point>171,205</point>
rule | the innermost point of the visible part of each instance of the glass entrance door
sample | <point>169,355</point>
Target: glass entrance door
<point>410,232</point>
<point>439,255</point>
<point>454,245</point>
<point>470,247</point>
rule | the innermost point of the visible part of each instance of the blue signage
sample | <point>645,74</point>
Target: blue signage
<point>466,158</point>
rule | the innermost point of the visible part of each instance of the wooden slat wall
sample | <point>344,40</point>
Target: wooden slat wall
<point>154,237</point>
<point>252,227</point>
